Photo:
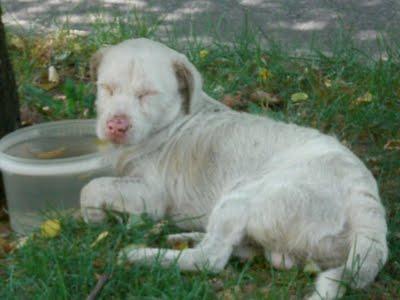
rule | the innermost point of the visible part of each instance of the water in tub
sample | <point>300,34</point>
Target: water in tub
<point>38,195</point>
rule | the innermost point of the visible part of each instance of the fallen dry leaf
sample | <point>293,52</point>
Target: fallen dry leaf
<point>328,83</point>
<point>298,97</point>
<point>98,263</point>
<point>217,284</point>
<point>203,53</point>
<point>3,245</point>
<point>50,228</point>
<point>366,98</point>
<point>99,238</point>
<point>5,230</point>
<point>46,108</point>
<point>219,89</point>
<point>229,294</point>
<point>264,291</point>
<point>181,245</point>
<point>249,288</point>
<point>47,85</point>
<point>264,73</point>
<point>392,145</point>
<point>59,97</point>
<point>29,116</point>
<point>265,98</point>
<point>53,75</point>
<point>21,242</point>
<point>157,228</point>
<point>231,101</point>
<point>17,42</point>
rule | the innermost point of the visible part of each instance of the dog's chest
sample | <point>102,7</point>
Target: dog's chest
<point>193,182</point>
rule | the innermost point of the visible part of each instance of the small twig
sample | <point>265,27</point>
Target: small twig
<point>99,285</point>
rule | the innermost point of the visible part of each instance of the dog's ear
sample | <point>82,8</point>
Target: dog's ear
<point>95,61</point>
<point>189,83</point>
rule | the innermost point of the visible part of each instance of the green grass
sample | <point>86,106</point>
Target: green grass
<point>349,95</point>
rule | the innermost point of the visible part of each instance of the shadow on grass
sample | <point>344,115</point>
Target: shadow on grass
<point>294,24</point>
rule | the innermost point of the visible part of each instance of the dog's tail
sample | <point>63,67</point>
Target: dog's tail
<point>368,248</point>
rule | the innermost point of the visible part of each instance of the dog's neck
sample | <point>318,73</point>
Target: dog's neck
<point>204,105</point>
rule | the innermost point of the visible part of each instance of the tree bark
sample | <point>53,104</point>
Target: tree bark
<point>9,106</point>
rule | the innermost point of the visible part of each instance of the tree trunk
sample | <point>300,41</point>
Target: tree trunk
<point>9,107</point>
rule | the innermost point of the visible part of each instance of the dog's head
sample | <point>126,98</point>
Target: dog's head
<point>142,87</point>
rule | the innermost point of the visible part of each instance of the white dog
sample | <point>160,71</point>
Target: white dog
<point>297,193</point>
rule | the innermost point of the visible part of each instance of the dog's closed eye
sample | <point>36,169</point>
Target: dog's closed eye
<point>143,94</point>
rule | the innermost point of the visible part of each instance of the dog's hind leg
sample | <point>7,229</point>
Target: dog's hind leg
<point>226,229</point>
<point>242,251</point>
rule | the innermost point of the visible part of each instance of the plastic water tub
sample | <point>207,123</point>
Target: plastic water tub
<point>45,166</point>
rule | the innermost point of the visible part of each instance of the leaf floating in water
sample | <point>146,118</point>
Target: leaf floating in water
<point>102,142</point>
<point>57,153</point>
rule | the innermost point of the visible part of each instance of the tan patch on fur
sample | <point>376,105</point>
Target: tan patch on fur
<point>95,61</point>
<point>185,84</point>
<point>110,88</point>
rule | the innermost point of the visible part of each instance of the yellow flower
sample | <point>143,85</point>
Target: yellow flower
<point>263,73</point>
<point>203,53</point>
<point>50,228</point>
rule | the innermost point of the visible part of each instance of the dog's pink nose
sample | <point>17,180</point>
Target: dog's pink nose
<point>117,127</point>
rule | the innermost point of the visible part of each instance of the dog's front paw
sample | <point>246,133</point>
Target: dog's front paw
<point>91,205</point>
<point>93,215</point>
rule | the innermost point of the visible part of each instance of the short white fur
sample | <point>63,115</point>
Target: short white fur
<point>241,179</point>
